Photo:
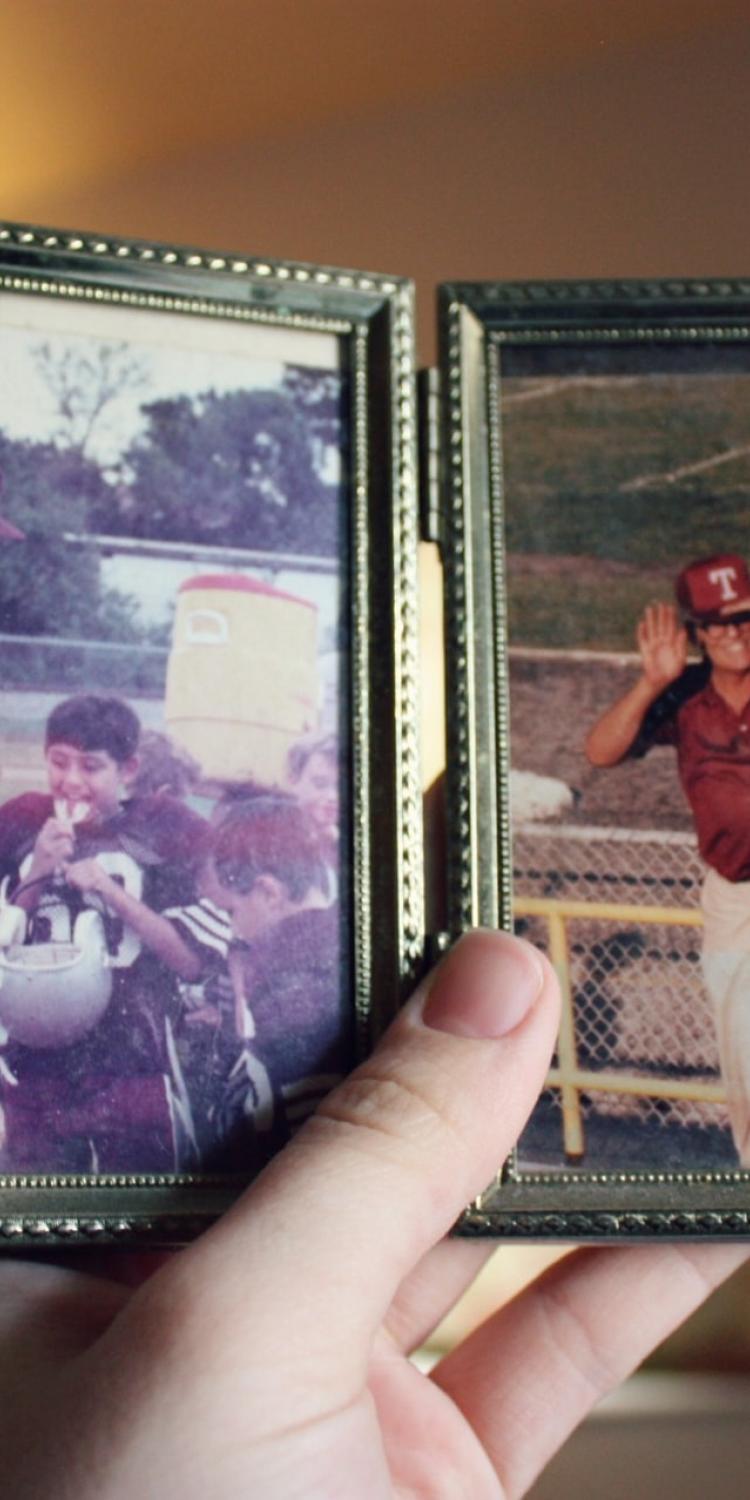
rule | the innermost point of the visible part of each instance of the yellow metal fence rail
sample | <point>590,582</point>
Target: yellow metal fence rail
<point>568,1077</point>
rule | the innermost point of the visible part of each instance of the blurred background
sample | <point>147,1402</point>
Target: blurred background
<point>510,139</point>
<point>519,138</point>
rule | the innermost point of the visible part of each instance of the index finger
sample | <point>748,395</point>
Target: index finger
<point>531,1373</point>
<point>648,625</point>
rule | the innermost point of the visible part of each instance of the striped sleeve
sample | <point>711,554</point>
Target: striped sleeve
<point>203,925</point>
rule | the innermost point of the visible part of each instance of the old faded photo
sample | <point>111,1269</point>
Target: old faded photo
<point>626,476</point>
<point>174,786</point>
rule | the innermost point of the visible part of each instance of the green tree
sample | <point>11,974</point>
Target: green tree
<point>84,385</point>
<point>232,469</point>
<point>49,586</point>
<point>320,395</point>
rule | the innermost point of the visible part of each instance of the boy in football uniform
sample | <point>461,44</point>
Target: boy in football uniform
<point>107,1101</point>
<point>278,1037</point>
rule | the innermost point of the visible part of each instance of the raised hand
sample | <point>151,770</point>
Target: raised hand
<point>663,643</point>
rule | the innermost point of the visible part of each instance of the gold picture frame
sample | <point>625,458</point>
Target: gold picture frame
<point>587,457</point>
<point>298,500</point>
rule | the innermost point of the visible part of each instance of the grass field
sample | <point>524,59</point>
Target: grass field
<point>611,485</point>
<point>579,602</point>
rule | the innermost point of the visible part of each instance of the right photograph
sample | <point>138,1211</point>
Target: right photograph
<point>626,482</point>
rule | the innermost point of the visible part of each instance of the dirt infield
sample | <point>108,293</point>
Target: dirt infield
<point>553,704</point>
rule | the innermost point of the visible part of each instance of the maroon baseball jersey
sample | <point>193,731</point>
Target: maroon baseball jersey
<point>713,755</point>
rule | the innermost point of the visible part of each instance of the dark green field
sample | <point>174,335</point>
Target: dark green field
<point>611,485</point>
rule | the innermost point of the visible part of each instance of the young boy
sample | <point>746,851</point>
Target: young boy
<point>282,1038</point>
<point>102,1103</point>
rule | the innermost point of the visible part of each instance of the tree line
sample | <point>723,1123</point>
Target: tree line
<point>238,469</point>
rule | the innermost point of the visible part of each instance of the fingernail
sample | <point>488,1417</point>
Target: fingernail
<point>484,987</point>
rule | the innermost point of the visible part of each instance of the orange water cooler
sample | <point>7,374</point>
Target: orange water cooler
<point>242,680</point>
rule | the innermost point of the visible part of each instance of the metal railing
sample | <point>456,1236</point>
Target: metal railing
<point>567,1076</point>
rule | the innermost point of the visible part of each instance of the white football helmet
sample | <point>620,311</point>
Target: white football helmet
<point>52,994</point>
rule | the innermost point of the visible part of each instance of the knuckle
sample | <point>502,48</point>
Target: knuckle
<point>693,1270</point>
<point>577,1349</point>
<point>387,1111</point>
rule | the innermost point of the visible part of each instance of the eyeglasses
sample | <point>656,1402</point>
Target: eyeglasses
<point>716,628</point>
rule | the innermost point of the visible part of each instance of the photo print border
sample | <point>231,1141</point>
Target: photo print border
<point>371,317</point>
<point>478,324</point>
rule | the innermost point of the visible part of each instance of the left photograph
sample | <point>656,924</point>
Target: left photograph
<point>176,780</point>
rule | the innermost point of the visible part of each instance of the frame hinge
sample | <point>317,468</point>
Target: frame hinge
<point>428,408</point>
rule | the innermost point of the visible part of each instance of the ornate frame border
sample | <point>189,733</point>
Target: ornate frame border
<point>475,320</point>
<point>373,316</point>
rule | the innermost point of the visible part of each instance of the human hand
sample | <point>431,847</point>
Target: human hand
<point>270,1358</point>
<point>88,875</point>
<point>663,644</point>
<point>53,846</point>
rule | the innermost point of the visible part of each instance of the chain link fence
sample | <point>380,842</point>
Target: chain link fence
<point>640,1011</point>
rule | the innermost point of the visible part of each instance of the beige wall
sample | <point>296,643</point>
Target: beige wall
<point>626,166</point>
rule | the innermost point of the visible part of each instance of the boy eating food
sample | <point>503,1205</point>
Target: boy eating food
<point>105,1102</point>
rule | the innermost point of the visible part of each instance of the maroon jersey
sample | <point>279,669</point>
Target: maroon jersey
<point>713,755</point>
<point>162,836</point>
<point>109,1088</point>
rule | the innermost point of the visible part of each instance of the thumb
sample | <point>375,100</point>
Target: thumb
<point>392,1156</point>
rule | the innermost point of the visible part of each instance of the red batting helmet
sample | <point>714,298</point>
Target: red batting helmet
<point>713,586</point>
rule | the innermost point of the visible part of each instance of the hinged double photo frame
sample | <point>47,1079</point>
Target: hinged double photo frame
<point>215,472</point>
